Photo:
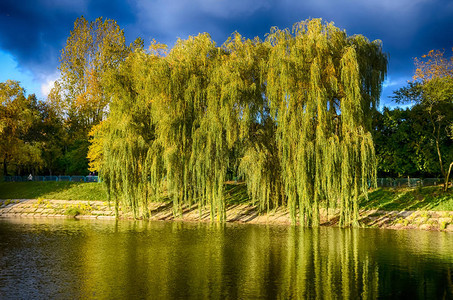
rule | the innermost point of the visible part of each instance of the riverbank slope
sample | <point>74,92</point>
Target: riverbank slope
<point>426,208</point>
<point>242,213</point>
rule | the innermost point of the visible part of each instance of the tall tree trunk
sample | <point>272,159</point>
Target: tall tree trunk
<point>447,178</point>
<point>5,166</point>
<point>442,170</point>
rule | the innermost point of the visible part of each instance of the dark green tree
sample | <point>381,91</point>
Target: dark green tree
<point>432,90</point>
<point>17,116</point>
<point>404,143</point>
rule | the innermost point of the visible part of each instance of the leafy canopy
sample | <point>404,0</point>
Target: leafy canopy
<point>291,114</point>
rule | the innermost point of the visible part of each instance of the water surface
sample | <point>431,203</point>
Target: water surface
<point>80,259</point>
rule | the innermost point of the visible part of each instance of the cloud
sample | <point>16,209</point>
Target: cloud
<point>389,82</point>
<point>47,87</point>
<point>48,84</point>
<point>10,70</point>
<point>168,20</point>
<point>34,31</point>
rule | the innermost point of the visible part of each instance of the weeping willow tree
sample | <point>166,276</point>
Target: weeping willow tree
<point>128,156</point>
<point>175,118</point>
<point>259,163</point>
<point>295,108</point>
<point>179,115</point>
<point>321,86</point>
<point>212,93</point>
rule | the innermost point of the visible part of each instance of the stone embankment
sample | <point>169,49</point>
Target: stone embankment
<point>39,208</point>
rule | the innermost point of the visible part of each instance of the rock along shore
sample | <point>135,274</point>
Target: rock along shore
<point>242,213</point>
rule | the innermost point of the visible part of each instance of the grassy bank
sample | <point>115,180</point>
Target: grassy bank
<point>400,199</point>
<point>425,208</point>
<point>403,199</point>
<point>53,190</point>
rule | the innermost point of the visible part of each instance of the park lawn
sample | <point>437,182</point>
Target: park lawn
<point>400,199</point>
<point>236,193</point>
<point>422,198</point>
<point>53,190</point>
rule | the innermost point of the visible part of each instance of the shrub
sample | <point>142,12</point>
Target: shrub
<point>73,211</point>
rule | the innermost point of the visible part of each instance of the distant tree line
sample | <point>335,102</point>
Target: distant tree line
<point>296,116</point>
<point>418,140</point>
<point>51,137</point>
<point>32,136</point>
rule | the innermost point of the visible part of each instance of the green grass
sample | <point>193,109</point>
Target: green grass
<point>53,190</point>
<point>236,194</point>
<point>73,211</point>
<point>425,198</point>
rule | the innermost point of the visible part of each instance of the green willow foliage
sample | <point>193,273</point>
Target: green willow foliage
<point>322,86</point>
<point>296,108</point>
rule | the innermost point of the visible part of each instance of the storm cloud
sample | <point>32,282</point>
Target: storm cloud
<point>34,32</point>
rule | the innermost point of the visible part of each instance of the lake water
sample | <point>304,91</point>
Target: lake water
<point>82,259</point>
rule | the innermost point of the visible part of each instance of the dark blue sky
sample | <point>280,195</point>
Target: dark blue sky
<point>32,33</point>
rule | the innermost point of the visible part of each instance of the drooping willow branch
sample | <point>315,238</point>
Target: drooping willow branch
<point>294,108</point>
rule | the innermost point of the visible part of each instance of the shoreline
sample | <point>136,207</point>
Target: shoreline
<point>240,213</point>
